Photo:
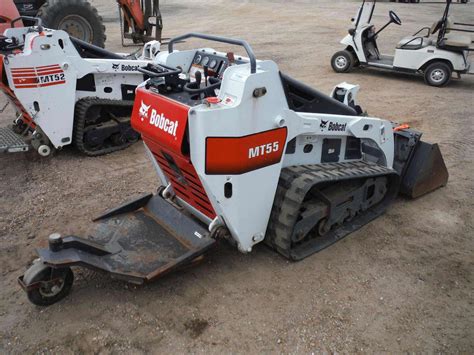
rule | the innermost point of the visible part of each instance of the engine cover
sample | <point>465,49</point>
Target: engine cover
<point>160,120</point>
<point>162,123</point>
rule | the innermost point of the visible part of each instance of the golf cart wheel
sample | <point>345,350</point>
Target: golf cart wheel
<point>47,285</point>
<point>342,61</point>
<point>438,74</point>
<point>77,17</point>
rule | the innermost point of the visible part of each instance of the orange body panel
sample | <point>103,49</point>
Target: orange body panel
<point>162,123</point>
<point>238,155</point>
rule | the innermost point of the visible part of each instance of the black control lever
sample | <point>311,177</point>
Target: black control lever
<point>198,77</point>
<point>214,83</point>
<point>206,73</point>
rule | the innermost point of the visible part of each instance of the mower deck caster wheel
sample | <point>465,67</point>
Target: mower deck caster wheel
<point>44,150</point>
<point>47,285</point>
<point>342,61</point>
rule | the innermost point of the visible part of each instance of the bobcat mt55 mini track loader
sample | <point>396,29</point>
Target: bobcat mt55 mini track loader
<point>247,153</point>
<point>68,91</point>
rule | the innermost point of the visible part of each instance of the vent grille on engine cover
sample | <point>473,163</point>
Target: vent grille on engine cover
<point>185,182</point>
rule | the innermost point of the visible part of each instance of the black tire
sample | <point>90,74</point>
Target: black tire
<point>77,17</point>
<point>342,61</point>
<point>438,74</point>
<point>43,296</point>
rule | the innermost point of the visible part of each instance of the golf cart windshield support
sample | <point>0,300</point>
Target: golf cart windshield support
<point>361,11</point>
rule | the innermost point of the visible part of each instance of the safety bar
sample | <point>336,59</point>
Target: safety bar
<point>424,28</point>
<point>237,42</point>
<point>38,22</point>
<point>413,39</point>
<point>461,30</point>
<point>464,24</point>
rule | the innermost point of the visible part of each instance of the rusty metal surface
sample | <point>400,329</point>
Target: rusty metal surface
<point>146,243</point>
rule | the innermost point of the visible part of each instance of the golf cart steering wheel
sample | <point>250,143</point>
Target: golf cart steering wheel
<point>394,18</point>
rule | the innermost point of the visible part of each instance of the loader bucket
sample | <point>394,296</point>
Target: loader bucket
<point>420,164</point>
<point>136,242</point>
<point>426,171</point>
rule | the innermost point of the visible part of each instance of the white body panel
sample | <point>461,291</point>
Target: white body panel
<point>356,44</point>
<point>416,59</point>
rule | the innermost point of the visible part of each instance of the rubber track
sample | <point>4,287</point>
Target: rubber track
<point>82,106</point>
<point>295,182</point>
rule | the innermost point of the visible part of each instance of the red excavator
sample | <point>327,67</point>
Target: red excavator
<point>140,20</point>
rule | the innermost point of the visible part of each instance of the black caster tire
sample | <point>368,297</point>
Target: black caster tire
<point>46,295</point>
<point>342,61</point>
<point>438,74</point>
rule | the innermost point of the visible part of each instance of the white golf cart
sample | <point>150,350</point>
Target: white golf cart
<point>434,57</point>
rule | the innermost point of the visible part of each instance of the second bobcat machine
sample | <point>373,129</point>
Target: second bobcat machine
<point>246,153</point>
<point>66,91</point>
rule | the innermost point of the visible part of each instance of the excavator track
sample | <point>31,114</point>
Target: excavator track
<point>102,126</point>
<point>317,205</point>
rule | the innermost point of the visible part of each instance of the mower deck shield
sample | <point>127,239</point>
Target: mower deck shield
<point>137,242</point>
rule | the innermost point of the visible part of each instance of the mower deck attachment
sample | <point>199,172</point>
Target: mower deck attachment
<point>137,242</point>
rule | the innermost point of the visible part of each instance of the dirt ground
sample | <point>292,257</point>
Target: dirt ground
<point>402,283</point>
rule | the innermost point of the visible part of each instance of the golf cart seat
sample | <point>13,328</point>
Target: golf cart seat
<point>456,41</point>
<point>414,42</point>
<point>450,22</point>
